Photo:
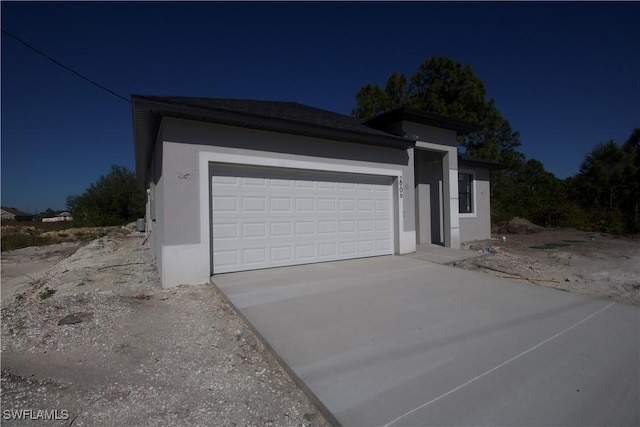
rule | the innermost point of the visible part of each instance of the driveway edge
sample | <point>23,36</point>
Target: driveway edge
<point>331,419</point>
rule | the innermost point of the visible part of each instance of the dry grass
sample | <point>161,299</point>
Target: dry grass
<point>17,235</point>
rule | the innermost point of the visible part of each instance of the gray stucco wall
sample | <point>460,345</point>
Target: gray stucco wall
<point>443,194</point>
<point>431,134</point>
<point>156,213</point>
<point>184,139</point>
<point>478,227</point>
<point>429,207</point>
<point>178,192</point>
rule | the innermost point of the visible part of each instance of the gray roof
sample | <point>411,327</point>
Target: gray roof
<point>275,116</point>
<point>15,211</point>
<point>480,163</point>
<point>418,116</point>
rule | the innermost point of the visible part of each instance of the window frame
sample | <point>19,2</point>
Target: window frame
<point>474,200</point>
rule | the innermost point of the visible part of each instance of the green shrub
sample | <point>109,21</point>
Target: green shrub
<point>46,293</point>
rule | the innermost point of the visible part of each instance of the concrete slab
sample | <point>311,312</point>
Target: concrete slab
<point>442,255</point>
<point>398,341</point>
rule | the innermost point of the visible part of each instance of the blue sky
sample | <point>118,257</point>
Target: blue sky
<point>565,75</point>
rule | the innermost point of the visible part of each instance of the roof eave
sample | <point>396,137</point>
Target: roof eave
<point>410,114</point>
<point>466,160</point>
<point>148,113</point>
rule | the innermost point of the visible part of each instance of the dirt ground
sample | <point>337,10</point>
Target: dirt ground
<point>594,264</point>
<point>87,329</point>
<point>21,267</point>
<point>96,338</point>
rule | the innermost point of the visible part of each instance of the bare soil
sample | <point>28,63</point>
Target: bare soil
<point>594,264</point>
<point>89,330</point>
<point>97,336</point>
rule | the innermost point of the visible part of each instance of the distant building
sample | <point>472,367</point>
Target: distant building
<point>62,216</point>
<point>13,214</point>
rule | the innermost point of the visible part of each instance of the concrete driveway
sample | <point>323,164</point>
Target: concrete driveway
<point>403,342</point>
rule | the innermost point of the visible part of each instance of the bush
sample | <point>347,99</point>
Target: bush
<point>113,200</point>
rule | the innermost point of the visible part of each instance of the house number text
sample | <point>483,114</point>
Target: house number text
<point>400,187</point>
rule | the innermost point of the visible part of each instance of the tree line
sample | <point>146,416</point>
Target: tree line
<point>603,196</point>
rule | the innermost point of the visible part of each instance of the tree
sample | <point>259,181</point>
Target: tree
<point>446,87</point>
<point>47,213</point>
<point>602,172</point>
<point>607,186</point>
<point>113,200</point>
<point>631,174</point>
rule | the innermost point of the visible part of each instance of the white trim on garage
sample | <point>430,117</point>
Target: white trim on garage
<point>265,217</point>
<point>401,244</point>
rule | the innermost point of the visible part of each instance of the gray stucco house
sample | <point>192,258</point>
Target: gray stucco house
<point>238,185</point>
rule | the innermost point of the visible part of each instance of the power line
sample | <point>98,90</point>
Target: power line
<point>64,66</point>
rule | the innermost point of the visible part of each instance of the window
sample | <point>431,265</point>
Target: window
<point>465,192</point>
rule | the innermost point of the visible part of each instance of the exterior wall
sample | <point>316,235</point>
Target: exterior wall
<point>8,216</point>
<point>431,134</point>
<point>429,197</point>
<point>181,176</point>
<point>156,203</point>
<point>58,219</point>
<point>477,226</point>
<point>444,142</point>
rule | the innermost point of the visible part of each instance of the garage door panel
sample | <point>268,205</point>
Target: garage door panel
<point>264,217</point>
<point>254,204</point>
<point>305,205</point>
<point>254,230</point>
<point>328,249</point>
<point>326,205</point>
<point>365,225</point>
<point>305,228</point>
<point>327,227</point>
<point>304,184</point>
<point>227,259</point>
<point>280,204</point>
<point>383,244</point>
<point>229,181</point>
<point>348,248</point>
<point>326,185</point>
<point>281,254</point>
<point>226,231</point>
<point>346,186</point>
<point>346,205</point>
<point>366,246</point>
<point>305,252</point>
<point>383,225</point>
<point>254,256</point>
<point>280,229</point>
<point>225,204</point>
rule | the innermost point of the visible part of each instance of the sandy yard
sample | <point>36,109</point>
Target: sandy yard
<point>594,264</point>
<point>95,338</point>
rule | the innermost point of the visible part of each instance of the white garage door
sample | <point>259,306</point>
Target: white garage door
<point>272,217</point>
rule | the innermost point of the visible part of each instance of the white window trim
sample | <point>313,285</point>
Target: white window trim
<point>474,199</point>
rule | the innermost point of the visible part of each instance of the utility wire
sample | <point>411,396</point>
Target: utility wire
<point>64,66</point>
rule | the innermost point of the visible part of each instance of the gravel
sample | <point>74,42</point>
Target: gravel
<point>109,346</point>
<point>598,265</point>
